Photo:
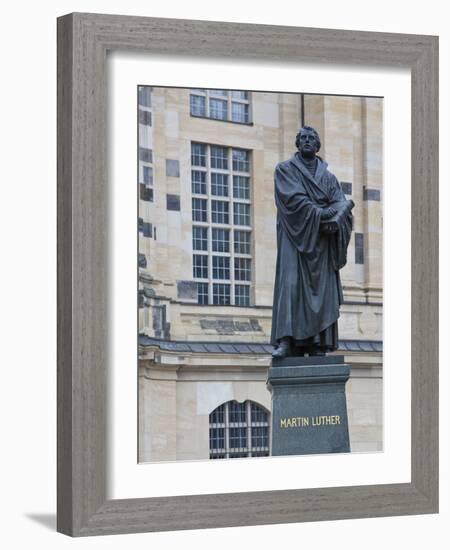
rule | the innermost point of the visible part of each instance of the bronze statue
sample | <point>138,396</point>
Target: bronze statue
<point>314,224</point>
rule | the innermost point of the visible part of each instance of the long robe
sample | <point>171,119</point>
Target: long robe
<point>308,290</point>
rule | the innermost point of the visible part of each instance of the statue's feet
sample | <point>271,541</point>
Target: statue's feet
<point>283,349</point>
<point>317,352</point>
<point>280,353</point>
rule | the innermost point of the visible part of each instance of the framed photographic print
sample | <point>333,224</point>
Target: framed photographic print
<point>179,145</point>
<point>207,259</point>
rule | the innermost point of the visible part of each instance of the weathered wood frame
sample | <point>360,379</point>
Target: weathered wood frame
<point>83,41</point>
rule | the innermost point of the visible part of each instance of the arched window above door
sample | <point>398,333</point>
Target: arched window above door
<point>238,430</point>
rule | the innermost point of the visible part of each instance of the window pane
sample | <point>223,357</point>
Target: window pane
<point>241,213</point>
<point>145,192</point>
<point>198,182</point>
<point>221,267</point>
<point>202,293</point>
<point>218,415</point>
<point>242,295</point>
<point>222,93</point>
<point>242,269</point>
<point>241,187</point>
<point>242,242</point>
<point>230,429</point>
<point>200,238</point>
<point>145,154</point>
<point>241,160</point>
<point>217,438</point>
<point>145,96</point>
<point>219,184</point>
<point>239,112</point>
<point>147,175</point>
<point>219,157</point>
<point>198,105</point>
<point>200,267</point>
<point>145,117</point>
<point>198,154</point>
<point>221,294</point>
<point>258,414</point>
<point>260,437</point>
<point>237,411</point>
<point>219,212</point>
<point>218,109</point>
<point>199,210</point>
<point>238,438</point>
<point>237,94</point>
<point>220,240</point>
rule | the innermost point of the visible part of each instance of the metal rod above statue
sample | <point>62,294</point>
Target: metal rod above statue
<point>314,224</point>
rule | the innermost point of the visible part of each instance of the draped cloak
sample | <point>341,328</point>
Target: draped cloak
<point>308,291</point>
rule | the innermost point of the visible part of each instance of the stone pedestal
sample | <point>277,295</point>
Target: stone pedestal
<point>309,409</point>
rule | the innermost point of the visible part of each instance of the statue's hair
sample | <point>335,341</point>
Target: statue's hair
<point>311,129</point>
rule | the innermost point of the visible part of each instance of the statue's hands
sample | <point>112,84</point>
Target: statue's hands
<point>328,213</point>
<point>328,227</point>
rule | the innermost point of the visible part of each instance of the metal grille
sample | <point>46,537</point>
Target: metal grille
<point>238,430</point>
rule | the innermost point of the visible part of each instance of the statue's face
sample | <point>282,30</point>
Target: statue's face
<point>308,144</point>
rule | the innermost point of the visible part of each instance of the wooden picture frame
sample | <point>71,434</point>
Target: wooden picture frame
<point>83,41</point>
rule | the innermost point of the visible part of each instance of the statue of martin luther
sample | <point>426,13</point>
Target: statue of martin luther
<point>314,224</point>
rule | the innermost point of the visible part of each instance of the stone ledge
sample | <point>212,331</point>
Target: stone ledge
<point>246,348</point>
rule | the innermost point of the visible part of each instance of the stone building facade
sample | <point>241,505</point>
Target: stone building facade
<point>207,251</point>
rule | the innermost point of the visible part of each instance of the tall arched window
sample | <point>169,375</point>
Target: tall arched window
<point>238,430</point>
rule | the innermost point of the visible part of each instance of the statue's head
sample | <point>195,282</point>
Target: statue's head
<point>307,141</point>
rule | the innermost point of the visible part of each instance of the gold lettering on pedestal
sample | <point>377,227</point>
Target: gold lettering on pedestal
<point>306,421</point>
